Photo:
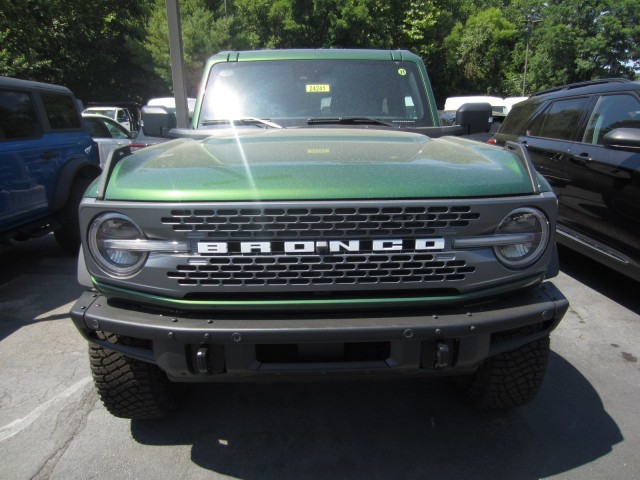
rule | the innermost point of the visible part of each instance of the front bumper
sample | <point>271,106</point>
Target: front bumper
<point>226,346</point>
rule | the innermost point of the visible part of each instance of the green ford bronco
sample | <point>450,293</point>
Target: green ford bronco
<point>316,220</point>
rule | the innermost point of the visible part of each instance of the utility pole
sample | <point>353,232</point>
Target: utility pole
<point>177,63</point>
<point>529,25</point>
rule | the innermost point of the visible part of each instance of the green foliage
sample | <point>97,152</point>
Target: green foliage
<point>584,40</point>
<point>119,50</point>
<point>479,48</point>
<point>78,44</point>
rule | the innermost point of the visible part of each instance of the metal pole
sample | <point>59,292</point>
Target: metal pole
<point>177,63</point>
<point>526,61</point>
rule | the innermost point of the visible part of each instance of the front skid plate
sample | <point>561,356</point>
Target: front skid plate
<point>471,327</point>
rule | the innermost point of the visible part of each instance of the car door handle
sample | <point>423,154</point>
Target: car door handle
<point>582,159</point>
<point>554,156</point>
<point>48,155</point>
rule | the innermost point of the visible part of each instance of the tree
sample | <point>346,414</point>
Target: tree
<point>481,49</point>
<point>580,41</point>
<point>316,23</point>
<point>81,44</point>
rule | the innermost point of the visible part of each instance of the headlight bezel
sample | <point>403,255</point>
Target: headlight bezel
<point>116,262</point>
<point>534,250</point>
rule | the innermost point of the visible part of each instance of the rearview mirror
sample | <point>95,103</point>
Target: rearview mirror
<point>474,117</point>
<point>624,138</point>
<point>157,121</point>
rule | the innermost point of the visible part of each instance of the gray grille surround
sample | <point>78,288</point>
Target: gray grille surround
<point>209,276</point>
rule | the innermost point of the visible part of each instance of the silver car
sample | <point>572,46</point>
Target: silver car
<point>107,133</point>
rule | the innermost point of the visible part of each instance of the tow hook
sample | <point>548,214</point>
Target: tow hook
<point>202,363</point>
<point>442,355</point>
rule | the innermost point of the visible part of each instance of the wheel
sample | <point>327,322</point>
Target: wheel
<point>68,235</point>
<point>507,380</point>
<point>130,388</point>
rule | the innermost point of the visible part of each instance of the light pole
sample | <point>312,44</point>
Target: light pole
<point>529,24</point>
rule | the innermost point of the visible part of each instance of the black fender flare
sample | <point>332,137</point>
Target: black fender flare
<point>73,169</point>
<point>553,269</point>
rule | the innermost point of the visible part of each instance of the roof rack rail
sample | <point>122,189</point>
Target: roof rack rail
<point>571,86</point>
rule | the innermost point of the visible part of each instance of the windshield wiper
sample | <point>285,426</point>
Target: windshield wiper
<point>349,121</point>
<point>243,121</point>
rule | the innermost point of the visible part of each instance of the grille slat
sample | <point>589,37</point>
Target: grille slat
<point>317,270</point>
<point>294,223</point>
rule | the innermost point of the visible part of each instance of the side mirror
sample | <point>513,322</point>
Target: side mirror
<point>622,138</point>
<point>474,117</point>
<point>157,121</point>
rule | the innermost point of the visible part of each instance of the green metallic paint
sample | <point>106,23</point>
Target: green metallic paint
<point>252,164</point>
<point>316,305</point>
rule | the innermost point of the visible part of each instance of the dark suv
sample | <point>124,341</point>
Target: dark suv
<point>47,161</point>
<point>585,139</point>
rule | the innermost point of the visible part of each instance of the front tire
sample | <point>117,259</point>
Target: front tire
<point>130,388</point>
<point>507,380</point>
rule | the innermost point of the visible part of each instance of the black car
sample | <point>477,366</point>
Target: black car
<point>585,139</point>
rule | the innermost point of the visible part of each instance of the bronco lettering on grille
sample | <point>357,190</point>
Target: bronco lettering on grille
<point>321,246</point>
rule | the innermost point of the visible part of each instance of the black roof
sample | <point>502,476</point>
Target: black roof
<point>31,85</point>
<point>591,86</point>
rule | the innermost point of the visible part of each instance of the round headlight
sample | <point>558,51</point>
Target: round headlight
<point>105,236</point>
<point>526,234</point>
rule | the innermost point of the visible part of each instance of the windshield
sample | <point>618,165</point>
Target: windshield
<point>107,112</point>
<point>292,92</point>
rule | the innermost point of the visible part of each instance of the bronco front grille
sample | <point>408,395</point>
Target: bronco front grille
<point>366,269</point>
<point>340,223</point>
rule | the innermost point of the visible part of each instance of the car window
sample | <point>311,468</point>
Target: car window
<point>17,116</point>
<point>561,119</point>
<point>97,128</point>
<point>122,116</point>
<point>518,117</point>
<point>116,131</point>
<point>611,112</point>
<point>107,112</point>
<point>61,111</point>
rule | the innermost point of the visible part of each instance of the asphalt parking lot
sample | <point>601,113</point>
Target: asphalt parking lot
<point>583,425</point>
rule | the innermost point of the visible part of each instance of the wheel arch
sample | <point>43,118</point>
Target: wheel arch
<point>73,169</point>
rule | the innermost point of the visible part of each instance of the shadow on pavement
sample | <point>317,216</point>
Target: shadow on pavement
<point>36,278</point>
<point>405,429</point>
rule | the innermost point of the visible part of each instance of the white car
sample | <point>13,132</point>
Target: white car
<point>511,101</point>
<point>120,115</point>
<point>107,133</point>
<point>498,105</point>
<point>170,102</point>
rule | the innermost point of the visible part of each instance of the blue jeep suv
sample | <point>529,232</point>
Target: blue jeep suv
<point>47,161</point>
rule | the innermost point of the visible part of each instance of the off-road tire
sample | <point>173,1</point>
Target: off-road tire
<point>507,380</point>
<point>130,388</point>
<point>68,235</point>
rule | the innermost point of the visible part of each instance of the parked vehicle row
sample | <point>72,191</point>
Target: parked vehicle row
<point>120,115</point>
<point>584,138</point>
<point>500,107</point>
